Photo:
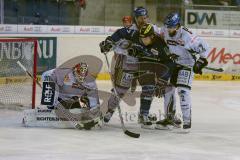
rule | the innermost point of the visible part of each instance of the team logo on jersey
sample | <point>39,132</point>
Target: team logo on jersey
<point>175,43</point>
<point>154,51</point>
<point>180,42</point>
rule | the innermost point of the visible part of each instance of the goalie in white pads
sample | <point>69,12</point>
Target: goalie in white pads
<point>192,54</point>
<point>76,91</point>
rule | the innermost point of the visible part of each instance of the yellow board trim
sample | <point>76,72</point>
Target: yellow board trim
<point>106,76</point>
<point>203,77</point>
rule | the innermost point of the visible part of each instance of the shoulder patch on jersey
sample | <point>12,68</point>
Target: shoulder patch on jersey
<point>175,43</point>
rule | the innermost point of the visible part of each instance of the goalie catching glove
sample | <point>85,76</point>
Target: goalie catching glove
<point>199,65</point>
<point>106,45</point>
<point>84,102</point>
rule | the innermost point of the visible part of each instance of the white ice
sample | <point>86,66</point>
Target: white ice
<point>215,133</point>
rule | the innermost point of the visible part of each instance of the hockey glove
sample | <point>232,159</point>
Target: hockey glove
<point>84,101</point>
<point>199,65</point>
<point>173,57</point>
<point>133,51</point>
<point>107,45</point>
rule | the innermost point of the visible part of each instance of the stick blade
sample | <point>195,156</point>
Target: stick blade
<point>131,134</point>
<point>221,70</point>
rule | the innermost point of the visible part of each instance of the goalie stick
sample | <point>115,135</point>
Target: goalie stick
<point>60,107</point>
<point>127,132</point>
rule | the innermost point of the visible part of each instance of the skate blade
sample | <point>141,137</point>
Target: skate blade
<point>150,127</point>
<point>181,131</point>
<point>167,127</point>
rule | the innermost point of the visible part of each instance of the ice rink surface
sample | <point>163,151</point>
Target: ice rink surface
<point>215,133</point>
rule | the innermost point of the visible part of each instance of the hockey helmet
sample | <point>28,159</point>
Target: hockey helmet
<point>172,20</point>
<point>80,72</point>
<point>146,30</point>
<point>140,11</point>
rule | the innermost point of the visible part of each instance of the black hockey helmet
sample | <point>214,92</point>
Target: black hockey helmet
<point>146,30</point>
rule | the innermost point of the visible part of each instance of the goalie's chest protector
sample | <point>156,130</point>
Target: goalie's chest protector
<point>70,88</point>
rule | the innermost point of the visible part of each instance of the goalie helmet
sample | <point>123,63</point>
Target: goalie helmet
<point>80,72</point>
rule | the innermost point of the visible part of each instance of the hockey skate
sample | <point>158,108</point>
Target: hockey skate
<point>177,122</point>
<point>165,124</point>
<point>169,123</point>
<point>186,127</point>
<point>146,121</point>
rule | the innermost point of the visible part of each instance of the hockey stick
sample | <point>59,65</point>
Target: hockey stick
<point>127,132</point>
<point>29,74</point>
<point>214,69</point>
<point>153,59</point>
<point>208,68</point>
<point>60,107</point>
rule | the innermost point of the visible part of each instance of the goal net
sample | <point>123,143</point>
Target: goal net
<point>16,87</point>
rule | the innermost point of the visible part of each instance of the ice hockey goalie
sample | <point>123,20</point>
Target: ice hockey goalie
<point>69,98</point>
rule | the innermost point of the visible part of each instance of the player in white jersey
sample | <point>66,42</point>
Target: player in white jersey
<point>191,52</point>
<point>76,88</point>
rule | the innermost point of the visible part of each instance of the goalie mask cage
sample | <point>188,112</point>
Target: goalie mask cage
<point>16,87</point>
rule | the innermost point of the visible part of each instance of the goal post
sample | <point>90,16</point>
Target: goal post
<point>16,87</point>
